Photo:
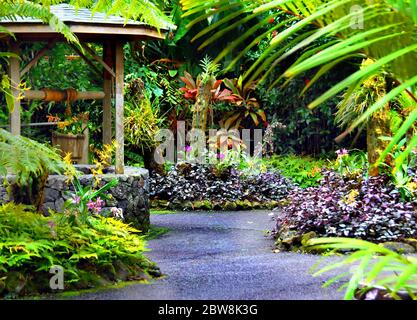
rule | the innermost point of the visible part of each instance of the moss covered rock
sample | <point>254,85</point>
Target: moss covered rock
<point>229,206</point>
<point>203,205</point>
<point>160,204</point>
<point>306,237</point>
<point>288,240</point>
<point>399,247</point>
<point>411,242</point>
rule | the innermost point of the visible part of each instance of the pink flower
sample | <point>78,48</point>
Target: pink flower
<point>76,199</point>
<point>91,205</point>
<point>220,156</point>
<point>342,152</point>
<point>99,202</point>
<point>188,148</point>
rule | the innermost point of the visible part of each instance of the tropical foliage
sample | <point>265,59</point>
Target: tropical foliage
<point>91,249</point>
<point>374,269</point>
<point>307,71</point>
<point>31,163</point>
<point>146,11</point>
<point>142,124</point>
<point>247,106</point>
<point>346,205</point>
<point>380,30</point>
<point>303,171</point>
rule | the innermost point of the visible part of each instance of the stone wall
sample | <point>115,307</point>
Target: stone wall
<point>131,193</point>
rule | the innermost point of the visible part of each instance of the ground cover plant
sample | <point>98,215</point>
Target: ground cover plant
<point>349,207</point>
<point>303,171</point>
<point>91,244</point>
<point>93,250</point>
<point>198,186</point>
<point>350,203</point>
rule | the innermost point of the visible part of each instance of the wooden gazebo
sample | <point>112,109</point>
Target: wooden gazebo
<point>110,31</point>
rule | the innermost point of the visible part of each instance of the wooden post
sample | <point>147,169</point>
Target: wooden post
<point>86,144</point>
<point>14,74</point>
<point>119,102</point>
<point>107,88</point>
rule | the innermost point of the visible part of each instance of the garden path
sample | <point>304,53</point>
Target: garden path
<point>223,256</point>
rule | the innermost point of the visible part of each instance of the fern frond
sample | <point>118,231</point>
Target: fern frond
<point>27,158</point>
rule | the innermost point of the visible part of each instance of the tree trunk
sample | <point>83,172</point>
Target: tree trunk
<point>201,106</point>
<point>378,126</point>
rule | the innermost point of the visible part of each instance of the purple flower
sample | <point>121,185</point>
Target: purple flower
<point>95,206</point>
<point>99,202</point>
<point>188,148</point>
<point>51,224</point>
<point>372,294</point>
<point>91,205</point>
<point>342,152</point>
<point>76,199</point>
<point>220,156</point>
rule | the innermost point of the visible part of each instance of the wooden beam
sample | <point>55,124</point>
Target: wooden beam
<point>85,58</point>
<point>86,95</point>
<point>98,59</point>
<point>35,60</point>
<point>127,32</point>
<point>119,30</point>
<point>108,90</point>
<point>14,74</point>
<point>119,102</point>
<point>29,28</point>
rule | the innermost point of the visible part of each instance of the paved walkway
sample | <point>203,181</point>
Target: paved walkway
<point>223,256</point>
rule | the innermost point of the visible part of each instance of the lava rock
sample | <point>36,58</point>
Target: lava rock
<point>399,247</point>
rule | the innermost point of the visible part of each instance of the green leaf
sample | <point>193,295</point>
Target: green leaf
<point>361,74</point>
<point>172,73</point>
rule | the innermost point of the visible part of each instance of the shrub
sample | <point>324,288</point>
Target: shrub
<point>350,206</point>
<point>31,163</point>
<point>141,125</point>
<point>303,171</point>
<point>196,182</point>
<point>91,250</point>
